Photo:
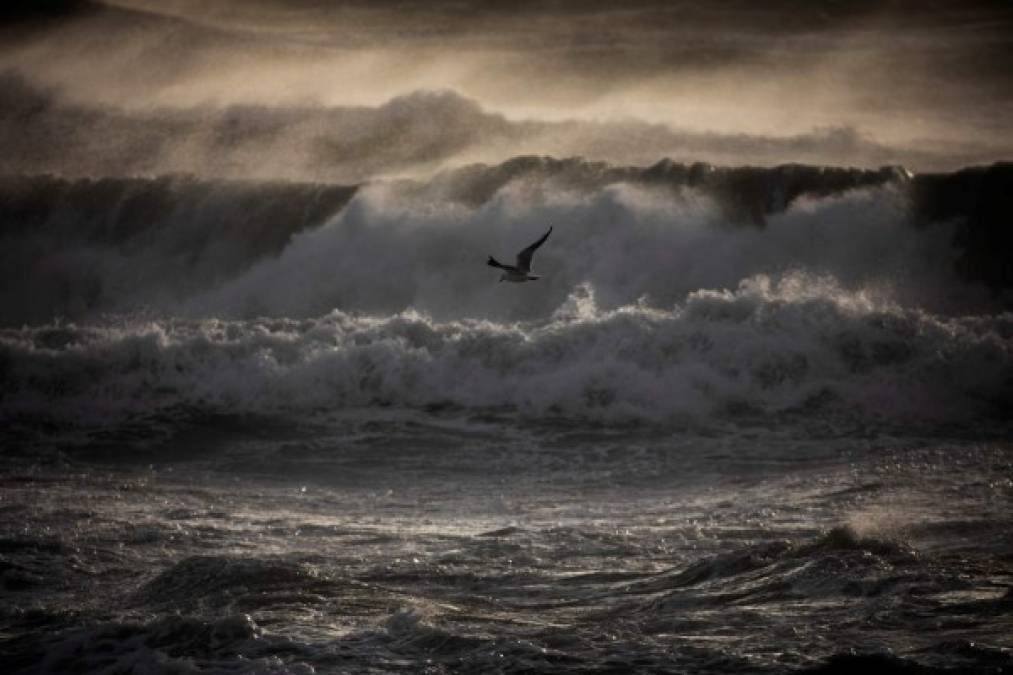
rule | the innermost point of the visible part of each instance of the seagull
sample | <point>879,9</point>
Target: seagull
<point>522,270</point>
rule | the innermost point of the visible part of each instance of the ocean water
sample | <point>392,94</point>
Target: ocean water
<point>748,421</point>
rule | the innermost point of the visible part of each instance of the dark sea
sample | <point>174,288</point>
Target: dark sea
<point>748,421</point>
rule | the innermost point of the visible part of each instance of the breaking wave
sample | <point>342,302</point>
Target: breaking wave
<point>388,251</point>
<point>669,293</point>
<point>180,246</point>
<point>801,344</point>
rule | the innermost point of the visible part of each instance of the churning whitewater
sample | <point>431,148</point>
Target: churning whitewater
<point>802,344</point>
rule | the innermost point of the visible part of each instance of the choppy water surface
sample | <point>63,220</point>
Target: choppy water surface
<point>443,541</point>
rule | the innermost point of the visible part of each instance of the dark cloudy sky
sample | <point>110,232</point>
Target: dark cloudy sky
<point>927,84</point>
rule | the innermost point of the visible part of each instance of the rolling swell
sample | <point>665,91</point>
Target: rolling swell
<point>830,593</point>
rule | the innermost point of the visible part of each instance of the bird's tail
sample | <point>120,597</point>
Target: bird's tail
<point>492,262</point>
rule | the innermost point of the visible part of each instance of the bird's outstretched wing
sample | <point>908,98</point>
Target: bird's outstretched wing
<point>524,257</point>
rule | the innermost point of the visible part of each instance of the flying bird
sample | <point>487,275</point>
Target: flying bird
<point>522,270</point>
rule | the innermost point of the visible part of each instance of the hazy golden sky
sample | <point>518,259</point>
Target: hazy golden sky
<point>929,81</point>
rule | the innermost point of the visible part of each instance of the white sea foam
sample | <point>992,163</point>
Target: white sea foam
<point>795,343</point>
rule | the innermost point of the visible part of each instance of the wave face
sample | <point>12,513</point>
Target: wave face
<point>78,249</point>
